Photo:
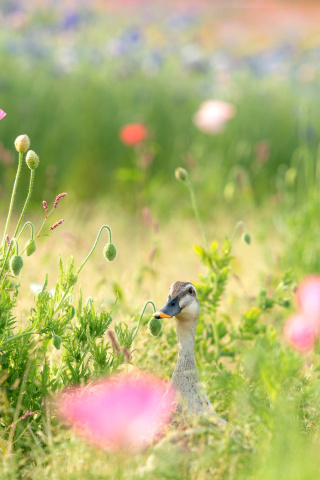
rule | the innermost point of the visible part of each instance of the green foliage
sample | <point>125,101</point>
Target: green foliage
<point>54,346</point>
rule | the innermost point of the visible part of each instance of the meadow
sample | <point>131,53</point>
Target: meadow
<point>154,185</point>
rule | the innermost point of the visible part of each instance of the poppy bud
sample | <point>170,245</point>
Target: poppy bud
<point>110,252</point>
<point>32,160</point>
<point>22,143</point>
<point>16,264</point>
<point>30,247</point>
<point>155,326</point>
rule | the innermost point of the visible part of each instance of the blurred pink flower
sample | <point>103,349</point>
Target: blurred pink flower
<point>300,332</point>
<point>308,298</point>
<point>127,411</point>
<point>213,115</point>
<point>2,114</point>
<point>133,133</point>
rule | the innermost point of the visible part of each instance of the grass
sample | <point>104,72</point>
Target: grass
<point>260,425</point>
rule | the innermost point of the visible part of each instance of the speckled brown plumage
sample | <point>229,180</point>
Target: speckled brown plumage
<point>176,287</point>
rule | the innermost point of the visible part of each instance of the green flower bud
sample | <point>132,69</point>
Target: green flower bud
<point>32,160</point>
<point>71,311</point>
<point>22,143</point>
<point>71,278</point>
<point>56,340</point>
<point>154,326</point>
<point>16,264</point>
<point>246,238</point>
<point>181,174</point>
<point>110,251</point>
<point>30,247</point>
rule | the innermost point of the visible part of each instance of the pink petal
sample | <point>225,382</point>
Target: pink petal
<point>308,297</point>
<point>2,114</point>
<point>127,411</point>
<point>213,115</point>
<point>300,332</point>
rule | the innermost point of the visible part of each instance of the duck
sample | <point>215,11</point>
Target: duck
<point>183,304</point>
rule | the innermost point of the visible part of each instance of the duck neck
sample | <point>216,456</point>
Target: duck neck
<point>186,332</point>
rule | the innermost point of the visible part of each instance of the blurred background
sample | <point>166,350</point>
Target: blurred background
<point>73,74</point>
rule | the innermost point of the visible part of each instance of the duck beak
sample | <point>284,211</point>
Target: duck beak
<point>170,309</point>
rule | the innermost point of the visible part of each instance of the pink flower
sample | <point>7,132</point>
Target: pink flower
<point>213,115</point>
<point>308,298</point>
<point>57,200</point>
<point>133,133</point>
<point>57,224</point>
<point>2,114</point>
<point>127,411</point>
<point>300,332</point>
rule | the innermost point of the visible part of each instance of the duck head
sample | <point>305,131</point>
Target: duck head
<point>182,302</point>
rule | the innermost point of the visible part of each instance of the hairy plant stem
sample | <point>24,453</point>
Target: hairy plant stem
<point>24,226</point>
<point>94,246</point>
<point>13,241</point>
<point>15,185</point>
<point>238,225</point>
<point>196,211</point>
<point>142,313</point>
<point>32,173</point>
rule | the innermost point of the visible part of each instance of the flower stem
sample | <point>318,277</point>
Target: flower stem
<point>240,224</point>
<point>32,173</point>
<point>22,229</point>
<point>15,185</point>
<point>94,246</point>
<point>196,211</point>
<point>142,313</point>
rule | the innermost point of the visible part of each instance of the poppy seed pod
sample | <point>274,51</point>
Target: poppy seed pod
<point>155,326</point>
<point>32,160</point>
<point>22,143</point>
<point>16,264</point>
<point>110,251</point>
<point>30,247</point>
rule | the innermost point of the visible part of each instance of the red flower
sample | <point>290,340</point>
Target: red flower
<point>2,114</point>
<point>133,133</point>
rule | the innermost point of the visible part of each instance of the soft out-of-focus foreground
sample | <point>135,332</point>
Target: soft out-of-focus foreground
<point>115,97</point>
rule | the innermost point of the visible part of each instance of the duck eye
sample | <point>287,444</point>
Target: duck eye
<point>190,291</point>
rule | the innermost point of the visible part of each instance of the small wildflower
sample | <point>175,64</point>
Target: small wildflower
<point>114,342</point>
<point>2,114</point>
<point>147,216</point>
<point>45,205</point>
<point>133,134</point>
<point>32,160</point>
<point>126,354</point>
<point>22,143</point>
<point>57,224</point>
<point>28,414</point>
<point>8,240</point>
<point>61,195</point>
